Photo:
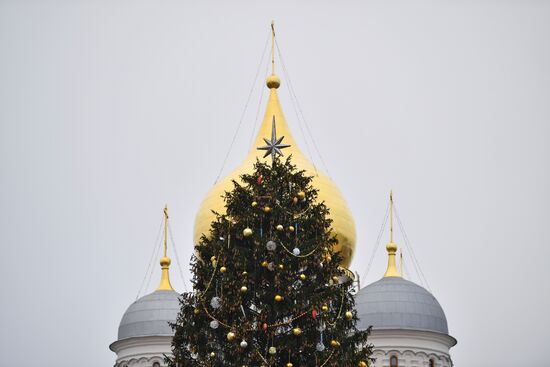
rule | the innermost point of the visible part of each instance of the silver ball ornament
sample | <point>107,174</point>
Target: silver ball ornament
<point>271,245</point>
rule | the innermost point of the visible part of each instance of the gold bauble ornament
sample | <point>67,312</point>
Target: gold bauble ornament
<point>212,354</point>
<point>244,289</point>
<point>362,364</point>
<point>289,364</point>
<point>230,336</point>
<point>197,311</point>
<point>281,266</point>
<point>324,308</point>
<point>247,232</point>
<point>280,227</point>
<point>267,209</point>
<point>301,195</point>
<point>349,315</point>
<point>254,204</point>
<point>265,263</point>
<point>303,277</point>
<point>334,343</point>
<point>297,331</point>
<point>223,269</point>
<point>272,350</point>
<point>244,273</point>
<point>291,229</point>
<point>278,298</point>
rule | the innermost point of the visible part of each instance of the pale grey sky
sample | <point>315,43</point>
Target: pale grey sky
<point>109,109</point>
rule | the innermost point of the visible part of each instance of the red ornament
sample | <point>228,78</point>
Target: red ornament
<point>259,180</point>
<point>314,314</point>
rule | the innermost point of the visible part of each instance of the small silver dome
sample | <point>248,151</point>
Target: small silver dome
<point>396,303</point>
<point>150,315</point>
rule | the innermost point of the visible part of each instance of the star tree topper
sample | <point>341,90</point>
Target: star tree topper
<point>274,145</point>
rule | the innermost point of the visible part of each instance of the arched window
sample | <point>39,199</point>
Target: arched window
<point>432,363</point>
<point>393,361</point>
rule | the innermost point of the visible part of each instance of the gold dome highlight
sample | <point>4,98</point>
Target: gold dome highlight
<point>343,224</point>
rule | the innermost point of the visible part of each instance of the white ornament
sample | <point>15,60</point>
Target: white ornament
<point>215,302</point>
<point>271,266</point>
<point>296,251</point>
<point>214,324</point>
<point>244,344</point>
<point>320,347</point>
<point>271,245</point>
<point>272,350</point>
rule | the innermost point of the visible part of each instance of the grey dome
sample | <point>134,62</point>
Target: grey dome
<point>396,303</point>
<point>150,315</point>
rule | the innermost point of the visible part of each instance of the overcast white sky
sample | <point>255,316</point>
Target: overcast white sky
<point>109,109</point>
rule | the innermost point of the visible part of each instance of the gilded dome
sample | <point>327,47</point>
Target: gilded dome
<point>343,224</point>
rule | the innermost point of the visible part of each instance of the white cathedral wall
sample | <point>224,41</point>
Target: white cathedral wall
<point>142,351</point>
<point>413,348</point>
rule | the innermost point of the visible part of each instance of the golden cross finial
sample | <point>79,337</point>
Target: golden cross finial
<point>391,247</point>
<point>165,260</point>
<point>391,216</point>
<point>273,47</point>
<point>165,228</point>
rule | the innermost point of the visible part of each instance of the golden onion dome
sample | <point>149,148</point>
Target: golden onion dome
<point>343,224</point>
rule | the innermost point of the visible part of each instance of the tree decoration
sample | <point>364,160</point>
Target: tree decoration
<point>263,298</point>
<point>271,245</point>
<point>247,232</point>
<point>320,347</point>
<point>215,302</point>
<point>349,315</point>
<point>230,336</point>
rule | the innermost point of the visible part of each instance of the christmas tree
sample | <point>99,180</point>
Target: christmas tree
<point>267,286</point>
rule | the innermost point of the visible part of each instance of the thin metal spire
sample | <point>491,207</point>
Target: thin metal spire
<point>165,261</point>
<point>391,247</point>
<point>391,216</point>
<point>273,47</point>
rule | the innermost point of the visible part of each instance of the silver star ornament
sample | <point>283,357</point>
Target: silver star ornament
<point>274,145</point>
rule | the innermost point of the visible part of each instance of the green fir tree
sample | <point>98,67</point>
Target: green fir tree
<point>267,286</point>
